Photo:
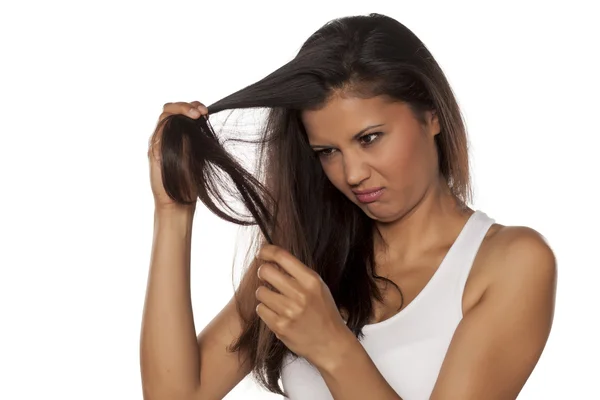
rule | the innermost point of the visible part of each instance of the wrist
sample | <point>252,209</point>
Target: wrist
<point>176,214</point>
<point>341,351</point>
<point>174,210</point>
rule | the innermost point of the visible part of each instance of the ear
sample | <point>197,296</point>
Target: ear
<point>433,122</point>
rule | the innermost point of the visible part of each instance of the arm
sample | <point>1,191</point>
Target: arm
<point>171,355</point>
<point>499,342</point>
<point>496,345</point>
<point>352,375</point>
<point>168,349</point>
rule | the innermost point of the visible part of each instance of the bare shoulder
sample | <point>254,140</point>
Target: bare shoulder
<point>511,322</point>
<point>506,253</point>
<point>517,254</point>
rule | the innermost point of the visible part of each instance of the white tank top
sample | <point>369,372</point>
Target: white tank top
<point>408,348</point>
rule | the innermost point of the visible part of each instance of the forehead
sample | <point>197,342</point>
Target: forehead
<point>348,115</point>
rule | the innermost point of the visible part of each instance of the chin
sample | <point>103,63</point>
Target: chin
<point>379,215</point>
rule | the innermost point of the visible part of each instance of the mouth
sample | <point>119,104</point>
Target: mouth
<point>370,197</point>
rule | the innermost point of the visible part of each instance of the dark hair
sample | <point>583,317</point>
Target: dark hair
<point>290,198</point>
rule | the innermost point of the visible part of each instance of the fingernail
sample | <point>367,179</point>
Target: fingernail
<point>194,112</point>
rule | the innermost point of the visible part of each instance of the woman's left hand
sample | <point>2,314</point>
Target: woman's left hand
<point>304,316</point>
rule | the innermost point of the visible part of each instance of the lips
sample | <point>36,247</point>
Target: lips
<point>366,191</point>
<point>369,196</point>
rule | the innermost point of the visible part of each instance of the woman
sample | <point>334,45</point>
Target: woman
<point>373,279</point>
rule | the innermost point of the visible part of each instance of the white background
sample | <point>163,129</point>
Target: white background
<point>82,84</point>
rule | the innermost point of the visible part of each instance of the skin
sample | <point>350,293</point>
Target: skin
<point>417,211</point>
<point>508,302</point>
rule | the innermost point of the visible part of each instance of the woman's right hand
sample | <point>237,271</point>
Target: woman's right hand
<point>193,110</point>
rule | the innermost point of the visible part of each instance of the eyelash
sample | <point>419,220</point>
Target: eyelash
<point>321,153</point>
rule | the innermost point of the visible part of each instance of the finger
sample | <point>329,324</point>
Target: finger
<point>163,115</point>
<point>288,262</point>
<point>286,284</point>
<point>181,107</point>
<point>267,315</point>
<point>201,107</point>
<point>275,301</point>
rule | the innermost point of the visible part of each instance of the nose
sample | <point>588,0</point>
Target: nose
<point>356,170</point>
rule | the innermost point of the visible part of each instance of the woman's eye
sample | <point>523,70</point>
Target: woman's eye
<point>375,136</point>
<point>329,152</point>
<point>323,153</point>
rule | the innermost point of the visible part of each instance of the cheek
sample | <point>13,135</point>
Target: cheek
<point>396,160</point>
<point>403,163</point>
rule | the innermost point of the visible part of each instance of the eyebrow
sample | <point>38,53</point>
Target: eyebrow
<point>355,137</point>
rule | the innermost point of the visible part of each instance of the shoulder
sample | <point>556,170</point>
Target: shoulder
<point>511,322</point>
<point>520,255</point>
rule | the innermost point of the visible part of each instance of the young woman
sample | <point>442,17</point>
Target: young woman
<point>373,278</point>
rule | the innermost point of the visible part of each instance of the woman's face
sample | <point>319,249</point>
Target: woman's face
<point>397,153</point>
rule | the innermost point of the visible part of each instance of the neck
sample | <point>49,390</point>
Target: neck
<point>433,221</point>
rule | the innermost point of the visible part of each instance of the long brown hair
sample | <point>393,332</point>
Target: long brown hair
<point>289,197</point>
